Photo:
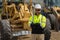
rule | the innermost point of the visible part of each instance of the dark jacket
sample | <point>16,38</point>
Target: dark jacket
<point>36,28</point>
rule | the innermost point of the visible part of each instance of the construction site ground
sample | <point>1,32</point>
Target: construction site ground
<point>54,36</point>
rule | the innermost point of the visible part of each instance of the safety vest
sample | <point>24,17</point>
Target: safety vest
<point>38,19</point>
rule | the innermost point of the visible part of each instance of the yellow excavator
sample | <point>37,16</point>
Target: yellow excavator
<point>18,14</point>
<point>14,18</point>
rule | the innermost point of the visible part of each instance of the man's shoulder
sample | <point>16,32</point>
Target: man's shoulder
<point>43,16</point>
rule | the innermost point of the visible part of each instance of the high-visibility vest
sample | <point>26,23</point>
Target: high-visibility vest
<point>38,19</point>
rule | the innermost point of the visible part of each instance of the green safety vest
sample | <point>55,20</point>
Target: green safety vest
<point>38,19</point>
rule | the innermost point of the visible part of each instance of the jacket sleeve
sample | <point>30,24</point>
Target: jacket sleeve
<point>43,24</point>
<point>30,21</point>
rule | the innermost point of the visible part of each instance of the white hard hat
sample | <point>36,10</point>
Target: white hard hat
<point>38,6</point>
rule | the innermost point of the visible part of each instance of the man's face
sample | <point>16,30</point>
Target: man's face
<point>37,10</point>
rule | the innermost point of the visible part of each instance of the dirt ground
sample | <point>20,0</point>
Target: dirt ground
<point>54,36</point>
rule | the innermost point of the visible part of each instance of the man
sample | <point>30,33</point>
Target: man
<point>37,23</point>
